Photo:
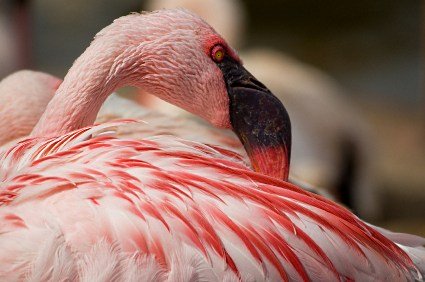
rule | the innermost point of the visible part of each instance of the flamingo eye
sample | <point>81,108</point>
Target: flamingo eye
<point>217,53</point>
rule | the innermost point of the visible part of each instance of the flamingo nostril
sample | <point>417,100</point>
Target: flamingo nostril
<point>250,83</point>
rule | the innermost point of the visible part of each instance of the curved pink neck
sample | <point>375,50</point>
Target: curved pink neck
<point>82,93</point>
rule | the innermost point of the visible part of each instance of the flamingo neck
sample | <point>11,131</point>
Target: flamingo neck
<point>93,77</point>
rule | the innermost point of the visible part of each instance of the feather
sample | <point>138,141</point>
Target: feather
<point>122,203</point>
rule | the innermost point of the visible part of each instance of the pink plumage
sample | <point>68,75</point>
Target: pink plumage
<point>87,204</point>
<point>24,96</point>
<point>84,204</point>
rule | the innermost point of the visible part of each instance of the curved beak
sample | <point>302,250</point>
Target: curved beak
<point>259,120</point>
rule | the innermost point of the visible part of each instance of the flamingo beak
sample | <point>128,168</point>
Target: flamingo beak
<point>259,120</point>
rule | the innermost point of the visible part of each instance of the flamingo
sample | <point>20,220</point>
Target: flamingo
<point>24,96</point>
<point>79,203</point>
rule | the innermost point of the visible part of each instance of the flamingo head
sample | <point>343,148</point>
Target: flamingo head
<point>25,95</point>
<point>179,58</point>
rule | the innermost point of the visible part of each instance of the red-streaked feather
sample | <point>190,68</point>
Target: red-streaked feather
<point>176,203</point>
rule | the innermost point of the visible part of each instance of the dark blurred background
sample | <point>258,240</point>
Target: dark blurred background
<point>372,48</point>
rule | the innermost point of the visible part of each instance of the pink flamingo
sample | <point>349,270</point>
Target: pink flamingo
<point>90,206</point>
<point>24,96</point>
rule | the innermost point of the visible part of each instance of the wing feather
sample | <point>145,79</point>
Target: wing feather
<point>178,210</point>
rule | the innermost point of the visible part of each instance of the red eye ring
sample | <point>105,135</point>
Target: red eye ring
<point>217,53</point>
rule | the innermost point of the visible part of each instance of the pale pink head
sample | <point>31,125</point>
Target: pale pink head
<point>24,96</point>
<point>225,16</point>
<point>170,56</point>
<point>178,57</point>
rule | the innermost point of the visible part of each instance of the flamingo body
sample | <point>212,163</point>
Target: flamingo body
<point>172,210</point>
